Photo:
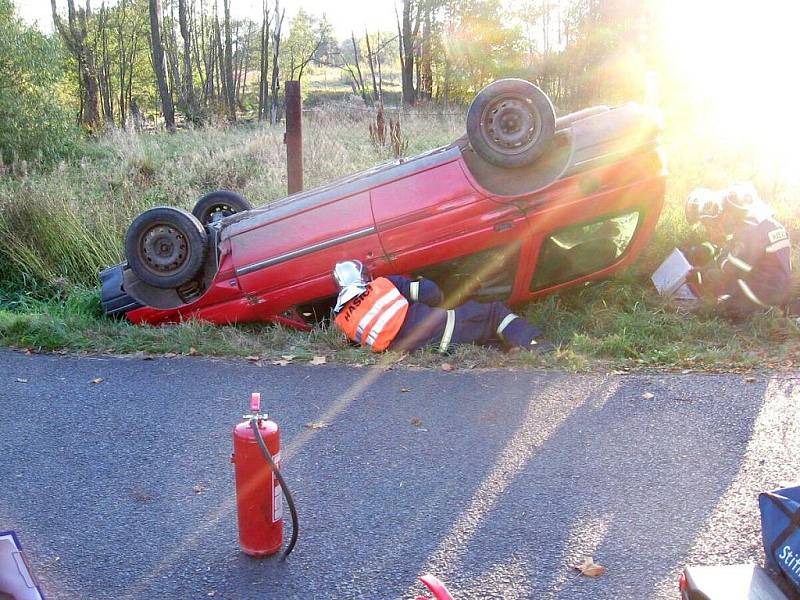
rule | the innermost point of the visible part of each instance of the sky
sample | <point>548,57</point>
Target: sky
<point>344,15</point>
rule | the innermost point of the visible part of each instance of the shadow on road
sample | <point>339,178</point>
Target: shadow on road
<point>496,481</point>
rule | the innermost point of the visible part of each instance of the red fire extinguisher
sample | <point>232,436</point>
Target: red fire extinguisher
<point>260,485</point>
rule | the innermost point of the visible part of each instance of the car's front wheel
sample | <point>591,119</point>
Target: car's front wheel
<point>166,246</point>
<point>218,205</point>
<point>510,123</point>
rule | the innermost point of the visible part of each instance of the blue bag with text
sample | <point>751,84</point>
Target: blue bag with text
<point>780,531</point>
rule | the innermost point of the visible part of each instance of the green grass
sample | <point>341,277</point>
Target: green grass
<point>59,227</point>
<point>636,331</point>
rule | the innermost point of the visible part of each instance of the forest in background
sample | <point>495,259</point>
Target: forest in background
<point>136,64</point>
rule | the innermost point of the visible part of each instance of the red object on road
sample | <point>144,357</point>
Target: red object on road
<point>259,502</point>
<point>437,587</point>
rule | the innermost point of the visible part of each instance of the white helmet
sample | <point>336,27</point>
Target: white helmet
<point>702,204</point>
<point>350,272</point>
<point>351,277</point>
<point>742,200</point>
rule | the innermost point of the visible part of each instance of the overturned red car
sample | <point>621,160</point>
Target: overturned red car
<point>522,205</point>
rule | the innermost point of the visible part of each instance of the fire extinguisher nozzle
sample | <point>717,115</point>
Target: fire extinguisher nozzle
<point>255,402</point>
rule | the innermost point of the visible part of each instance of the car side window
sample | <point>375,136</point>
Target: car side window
<point>583,249</point>
<point>485,276</point>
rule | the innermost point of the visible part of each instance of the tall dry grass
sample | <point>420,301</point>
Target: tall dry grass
<point>64,225</point>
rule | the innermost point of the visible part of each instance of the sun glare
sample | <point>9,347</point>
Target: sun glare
<point>734,64</point>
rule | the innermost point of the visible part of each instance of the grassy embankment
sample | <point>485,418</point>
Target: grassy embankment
<point>58,228</point>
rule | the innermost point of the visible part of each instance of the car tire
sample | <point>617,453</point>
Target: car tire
<point>510,123</point>
<point>166,246</point>
<point>219,204</point>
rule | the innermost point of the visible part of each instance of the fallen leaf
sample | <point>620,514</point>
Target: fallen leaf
<point>288,357</point>
<point>193,351</point>
<point>589,568</point>
<point>169,355</point>
<point>141,496</point>
<point>253,358</point>
<point>648,395</point>
<point>316,425</point>
<point>317,360</point>
<point>280,363</point>
<point>21,380</point>
<point>199,488</point>
<point>405,390</point>
<point>447,367</point>
<point>416,421</point>
<point>97,380</point>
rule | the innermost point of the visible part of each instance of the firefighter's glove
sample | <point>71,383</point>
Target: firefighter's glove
<point>701,255</point>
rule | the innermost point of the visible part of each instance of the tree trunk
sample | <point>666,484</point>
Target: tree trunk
<point>276,46</point>
<point>244,63</point>
<point>74,34</point>
<point>263,63</point>
<point>196,53</point>
<point>167,109</point>
<point>189,102</point>
<point>121,62</point>
<point>104,77</point>
<point>361,87</point>
<point>219,61</point>
<point>426,75</point>
<point>408,43</point>
<point>228,62</point>
<point>173,70</point>
<point>371,62</point>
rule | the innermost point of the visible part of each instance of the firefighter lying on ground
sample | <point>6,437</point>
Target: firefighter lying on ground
<point>746,265</point>
<point>402,314</point>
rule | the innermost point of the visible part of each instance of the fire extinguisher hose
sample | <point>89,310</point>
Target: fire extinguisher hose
<point>287,494</point>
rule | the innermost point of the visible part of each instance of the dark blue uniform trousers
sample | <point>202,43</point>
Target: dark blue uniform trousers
<point>472,322</point>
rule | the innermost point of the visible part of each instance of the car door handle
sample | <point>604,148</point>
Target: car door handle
<point>504,226</point>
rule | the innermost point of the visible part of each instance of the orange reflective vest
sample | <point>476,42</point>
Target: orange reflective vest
<point>374,318</point>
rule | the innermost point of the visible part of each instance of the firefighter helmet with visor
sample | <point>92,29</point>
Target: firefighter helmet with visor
<point>703,204</point>
<point>351,278</point>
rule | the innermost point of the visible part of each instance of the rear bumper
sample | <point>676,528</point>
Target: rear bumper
<point>114,299</point>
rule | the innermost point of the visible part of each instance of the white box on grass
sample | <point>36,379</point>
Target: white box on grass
<point>670,277</point>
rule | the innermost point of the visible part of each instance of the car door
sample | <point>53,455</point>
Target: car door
<point>289,250</point>
<point>434,216</point>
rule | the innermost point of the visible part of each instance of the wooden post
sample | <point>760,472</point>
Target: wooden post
<point>294,137</point>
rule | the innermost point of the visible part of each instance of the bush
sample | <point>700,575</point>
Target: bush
<point>34,125</point>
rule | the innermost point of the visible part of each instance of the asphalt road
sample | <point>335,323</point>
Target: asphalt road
<point>503,481</point>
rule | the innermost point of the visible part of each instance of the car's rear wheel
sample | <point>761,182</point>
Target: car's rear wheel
<point>166,246</point>
<point>510,123</point>
<point>218,205</point>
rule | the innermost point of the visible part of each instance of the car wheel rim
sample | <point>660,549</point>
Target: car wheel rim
<point>218,212</point>
<point>511,124</point>
<point>164,249</point>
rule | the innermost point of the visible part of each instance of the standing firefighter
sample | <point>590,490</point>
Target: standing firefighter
<point>746,265</point>
<point>399,313</point>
